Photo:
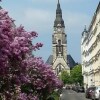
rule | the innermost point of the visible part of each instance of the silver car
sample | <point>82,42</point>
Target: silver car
<point>96,93</point>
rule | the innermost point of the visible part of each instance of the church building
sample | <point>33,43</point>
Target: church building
<point>59,60</point>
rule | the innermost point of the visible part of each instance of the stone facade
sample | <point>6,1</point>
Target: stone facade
<point>90,51</point>
<point>58,59</point>
<point>59,43</point>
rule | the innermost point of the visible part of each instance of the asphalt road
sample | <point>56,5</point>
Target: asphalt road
<point>72,95</point>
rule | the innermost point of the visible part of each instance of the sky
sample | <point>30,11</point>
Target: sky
<point>39,16</point>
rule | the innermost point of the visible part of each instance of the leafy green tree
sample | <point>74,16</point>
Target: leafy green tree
<point>65,77</point>
<point>76,74</point>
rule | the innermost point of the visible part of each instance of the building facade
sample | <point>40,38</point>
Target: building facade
<point>59,60</point>
<point>59,43</point>
<point>90,51</point>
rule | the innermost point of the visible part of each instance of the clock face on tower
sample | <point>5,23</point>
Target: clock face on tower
<point>59,29</point>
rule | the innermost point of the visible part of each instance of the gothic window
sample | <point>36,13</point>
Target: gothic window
<point>57,71</point>
<point>59,67</point>
<point>59,45</point>
<point>62,50</point>
<point>59,48</point>
<point>57,51</point>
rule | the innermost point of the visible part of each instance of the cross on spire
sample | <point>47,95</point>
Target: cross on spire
<point>58,1</point>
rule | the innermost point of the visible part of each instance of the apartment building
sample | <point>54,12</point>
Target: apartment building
<point>90,51</point>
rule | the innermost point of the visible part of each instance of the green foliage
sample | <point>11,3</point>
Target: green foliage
<point>55,94</point>
<point>65,77</point>
<point>76,74</point>
<point>74,77</point>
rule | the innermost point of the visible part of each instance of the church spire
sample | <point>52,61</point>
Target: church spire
<point>85,29</point>
<point>58,7</point>
<point>58,19</point>
<point>58,1</point>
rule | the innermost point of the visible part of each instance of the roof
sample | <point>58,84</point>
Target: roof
<point>70,61</point>
<point>50,60</point>
<point>59,20</point>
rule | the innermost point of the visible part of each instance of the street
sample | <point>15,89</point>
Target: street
<point>72,95</point>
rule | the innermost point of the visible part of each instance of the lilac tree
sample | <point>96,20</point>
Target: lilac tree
<point>43,80</point>
<point>15,47</point>
<point>22,76</point>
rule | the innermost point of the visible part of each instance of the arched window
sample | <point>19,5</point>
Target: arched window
<point>59,45</point>
<point>57,71</point>
<point>60,68</point>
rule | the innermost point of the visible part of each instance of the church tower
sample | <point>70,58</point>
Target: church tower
<point>59,43</point>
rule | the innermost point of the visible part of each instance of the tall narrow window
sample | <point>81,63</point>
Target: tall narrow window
<point>57,71</point>
<point>59,67</point>
<point>59,45</point>
<point>59,48</point>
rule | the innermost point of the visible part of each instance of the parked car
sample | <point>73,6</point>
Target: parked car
<point>68,87</point>
<point>73,88</point>
<point>96,93</point>
<point>80,89</point>
<point>99,95</point>
<point>88,92</point>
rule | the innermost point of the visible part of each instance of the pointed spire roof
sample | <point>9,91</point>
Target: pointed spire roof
<point>85,29</point>
<point>58,1</point>
<point>58,19</point>
<point>58,5</point>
